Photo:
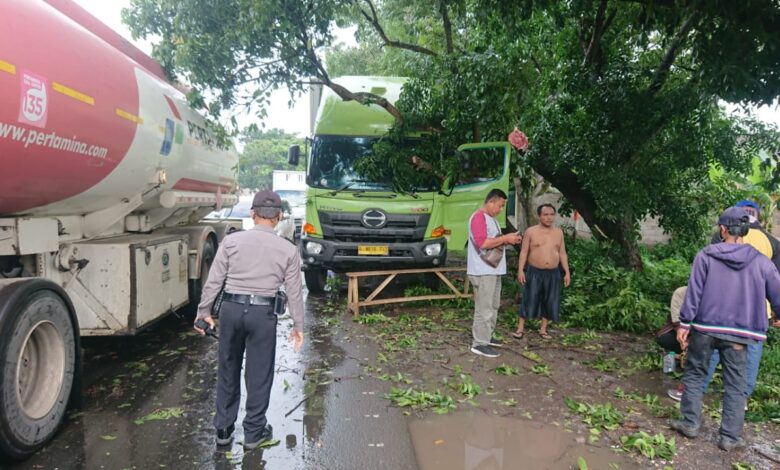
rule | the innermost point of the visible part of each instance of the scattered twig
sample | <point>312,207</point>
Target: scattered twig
<point>348,377</point>
<point>359,361</point>
<point>521,355</point>
<point>456,346</point>
<point>561,347</point>
<point>296,406</point>
<point>765,455</point>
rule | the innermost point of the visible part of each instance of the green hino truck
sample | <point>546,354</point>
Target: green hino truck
<point>357,224</point>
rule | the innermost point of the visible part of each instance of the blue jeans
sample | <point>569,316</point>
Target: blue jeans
<point>733,358</point>
<point>754,352</point>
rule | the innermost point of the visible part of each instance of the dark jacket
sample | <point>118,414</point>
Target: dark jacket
<point>726,290</point>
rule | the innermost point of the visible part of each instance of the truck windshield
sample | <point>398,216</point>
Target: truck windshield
<point>295,198</point>
<point>333,161</point>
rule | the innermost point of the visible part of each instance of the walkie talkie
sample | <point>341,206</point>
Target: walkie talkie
<point>206,328</point>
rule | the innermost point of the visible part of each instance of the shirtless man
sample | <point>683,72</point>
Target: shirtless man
<point>543,251</point>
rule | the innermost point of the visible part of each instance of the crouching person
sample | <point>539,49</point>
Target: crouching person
<point>724,311</point>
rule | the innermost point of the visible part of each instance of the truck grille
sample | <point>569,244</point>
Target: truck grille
<point>348,227</point>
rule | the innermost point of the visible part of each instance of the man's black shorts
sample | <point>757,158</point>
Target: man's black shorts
<point>541,294</point>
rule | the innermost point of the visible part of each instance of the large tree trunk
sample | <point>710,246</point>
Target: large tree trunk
<point>620,230</point>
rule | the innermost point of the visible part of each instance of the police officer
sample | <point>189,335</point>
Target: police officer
<point>252,265</point>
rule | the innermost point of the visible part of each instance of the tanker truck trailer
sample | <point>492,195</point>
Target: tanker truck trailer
<point>106,177</point>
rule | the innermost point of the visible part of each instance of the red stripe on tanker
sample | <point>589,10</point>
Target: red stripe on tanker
<point>99,135</point>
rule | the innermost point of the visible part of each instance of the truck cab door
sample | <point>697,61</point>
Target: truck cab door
<point>481,168</point>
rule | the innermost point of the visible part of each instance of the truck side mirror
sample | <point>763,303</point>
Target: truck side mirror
<point>293,154</point>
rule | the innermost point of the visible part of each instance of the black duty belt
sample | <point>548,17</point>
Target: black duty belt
<point>248,299</point>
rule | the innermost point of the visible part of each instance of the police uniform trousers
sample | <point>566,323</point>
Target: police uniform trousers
<point>250,328</point>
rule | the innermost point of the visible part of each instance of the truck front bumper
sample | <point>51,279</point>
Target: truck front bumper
<point>343,256</point>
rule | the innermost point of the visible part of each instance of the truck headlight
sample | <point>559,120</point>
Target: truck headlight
<point>313,248</point>
<point>433,249</point>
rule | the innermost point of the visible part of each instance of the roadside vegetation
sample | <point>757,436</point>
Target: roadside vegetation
<point>601,374</point>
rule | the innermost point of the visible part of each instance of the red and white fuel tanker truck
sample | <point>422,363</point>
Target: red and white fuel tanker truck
<point>105,176</point>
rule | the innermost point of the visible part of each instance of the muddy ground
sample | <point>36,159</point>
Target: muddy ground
<point>560,404</point>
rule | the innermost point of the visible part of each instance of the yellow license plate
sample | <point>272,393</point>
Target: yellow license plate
<point>373,250</point>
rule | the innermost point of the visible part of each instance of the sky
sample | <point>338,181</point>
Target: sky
<point>294,120</point>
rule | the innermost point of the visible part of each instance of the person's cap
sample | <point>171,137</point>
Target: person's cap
<point>732,216</point>
<point>747,203</point>
<point>749,206</point>
<point>267,198</point>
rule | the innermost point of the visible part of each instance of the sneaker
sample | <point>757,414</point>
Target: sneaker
<point>484,350</point>
<point>496,342</point>
<point>684,429</point>
<point>225,435</point>
<point>730,444</point>
<point>265,435</point>
<point>675,394</point>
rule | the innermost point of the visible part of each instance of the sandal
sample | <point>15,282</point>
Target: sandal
<point>545,336</point>
<point>517,335</point>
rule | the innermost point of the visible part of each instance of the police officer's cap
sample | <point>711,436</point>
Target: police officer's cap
<point>267,198</point>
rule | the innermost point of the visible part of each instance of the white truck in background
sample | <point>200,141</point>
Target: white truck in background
<point>291,187</point>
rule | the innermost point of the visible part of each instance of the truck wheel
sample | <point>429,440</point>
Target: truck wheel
<point>315,280</point>
<point>196,285</point>
<point>37,369</point>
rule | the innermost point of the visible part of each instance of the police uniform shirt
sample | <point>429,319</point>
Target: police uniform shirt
<point>256,262</point>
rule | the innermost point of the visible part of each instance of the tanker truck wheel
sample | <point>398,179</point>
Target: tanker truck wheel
<point>38,364</point>
<point>315,280</point>
<point>196,285</point>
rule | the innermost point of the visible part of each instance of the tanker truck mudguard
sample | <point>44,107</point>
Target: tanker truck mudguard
<point>107,177</point>
<point>355,224</point>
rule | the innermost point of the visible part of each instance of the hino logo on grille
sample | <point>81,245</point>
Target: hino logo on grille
<point>374,218</point>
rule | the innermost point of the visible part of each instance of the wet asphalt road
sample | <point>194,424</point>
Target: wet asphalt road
<point>149,401</point>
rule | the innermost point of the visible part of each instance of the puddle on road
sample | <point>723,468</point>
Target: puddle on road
<point>169,368</point>
<point>480,442</point>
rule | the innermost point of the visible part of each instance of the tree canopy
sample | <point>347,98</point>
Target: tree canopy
<point>264,152</point>
<point>620,99</point>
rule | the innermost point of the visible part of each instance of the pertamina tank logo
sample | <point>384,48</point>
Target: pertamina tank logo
<point>33,110</point>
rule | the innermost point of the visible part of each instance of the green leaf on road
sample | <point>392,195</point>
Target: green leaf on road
<point>161,414</point>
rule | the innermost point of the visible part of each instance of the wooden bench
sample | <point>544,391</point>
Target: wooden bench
<point>353,297</point>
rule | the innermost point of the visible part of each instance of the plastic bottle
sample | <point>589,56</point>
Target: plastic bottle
<point>669,364</point>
